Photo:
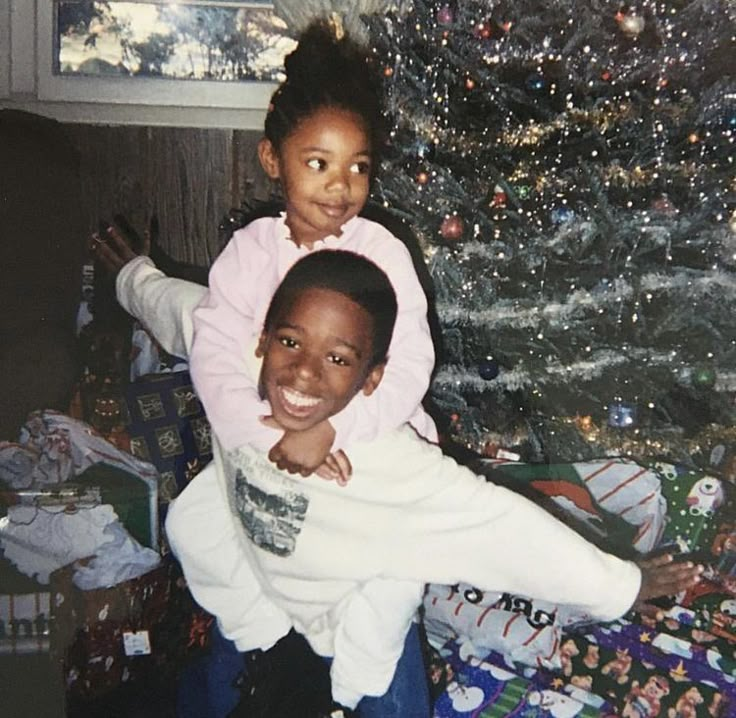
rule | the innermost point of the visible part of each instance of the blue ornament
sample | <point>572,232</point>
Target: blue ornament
<point>622,416</point>
<point>488,369</point>
<point>536,82</point>
<point>561,214</point>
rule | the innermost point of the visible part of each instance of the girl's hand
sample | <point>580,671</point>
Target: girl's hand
<point>661,576</point>
<point>302,452</point>
<point>336,467</point>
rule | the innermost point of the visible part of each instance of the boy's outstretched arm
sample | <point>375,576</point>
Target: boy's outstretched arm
<point>662,576</point>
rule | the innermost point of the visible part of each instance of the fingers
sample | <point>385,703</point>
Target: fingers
<point>270,422</point>
<point>329,470</point>
<point>277,457</point>
<point>663,577</point>
<point>345,468</point>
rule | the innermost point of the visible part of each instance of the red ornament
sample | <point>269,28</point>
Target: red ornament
<point>452,227</point>
<point>422,177</point>
<point>483,30</point>
<point>605,75</point>
<point>469,83</point>
<point>499,197</point>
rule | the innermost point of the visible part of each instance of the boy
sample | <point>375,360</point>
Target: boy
<point>409,513</point>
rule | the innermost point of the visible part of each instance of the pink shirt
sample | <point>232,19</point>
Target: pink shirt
<point>242,281</point>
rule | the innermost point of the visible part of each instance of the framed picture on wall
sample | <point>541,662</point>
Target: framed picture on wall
<point>214,54</point>
<point>4,48</point>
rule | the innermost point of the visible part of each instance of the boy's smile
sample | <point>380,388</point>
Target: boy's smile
<point>316,358</point>
<point>324,166</point>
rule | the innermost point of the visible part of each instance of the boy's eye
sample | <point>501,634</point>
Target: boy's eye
<point>338,360</point>
<point>288,342</point>
<point>360,168</point>
<point>316,163</point>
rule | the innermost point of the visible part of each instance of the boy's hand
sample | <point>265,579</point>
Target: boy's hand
<point>661,576</point>
<point>113,251</point>
<point>336,467</point>
<point>302,452</point>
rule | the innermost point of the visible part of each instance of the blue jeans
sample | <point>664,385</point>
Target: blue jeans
<point>408,694</point>
<point>208,688</point>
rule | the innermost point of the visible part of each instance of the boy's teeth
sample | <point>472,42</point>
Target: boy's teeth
<point>298,399</point>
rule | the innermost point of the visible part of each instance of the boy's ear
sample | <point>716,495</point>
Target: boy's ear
<point>373,379</point>
<point>261,347</point>
<point>269,158</point>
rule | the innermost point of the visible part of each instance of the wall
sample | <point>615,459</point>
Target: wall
<point>189,177</point>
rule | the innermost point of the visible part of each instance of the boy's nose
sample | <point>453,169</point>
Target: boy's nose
<point>308,367</point>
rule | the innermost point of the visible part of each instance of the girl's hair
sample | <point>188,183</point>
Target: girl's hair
<point>324,71</point>
<point>351,275</point>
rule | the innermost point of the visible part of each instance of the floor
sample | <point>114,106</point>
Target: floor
<point>30,687</point>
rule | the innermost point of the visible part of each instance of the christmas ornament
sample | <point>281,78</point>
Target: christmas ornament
<point>622,415</point>
<point>536,82</point>
<point>562,214</point>
<point>631,23</point>
<point>732,222</point>
<point>606,75</point>
<point>445,16</point>
<point>488,369</point>
<point>482,30</point>
<point>663,205</point>
<point>469,83</point>
<point>422,177</point>
<point>499,197</point>
<point>452,227</point>
<point>523,191</point>
<point>704,377</point>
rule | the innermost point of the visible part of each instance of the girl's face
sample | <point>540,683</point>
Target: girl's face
<point>324,166</point>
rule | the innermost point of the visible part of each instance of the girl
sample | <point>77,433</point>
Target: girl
<point>322,135</point>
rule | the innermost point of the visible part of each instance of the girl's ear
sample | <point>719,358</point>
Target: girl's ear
<point>269,158</point>
<point>373,379</point>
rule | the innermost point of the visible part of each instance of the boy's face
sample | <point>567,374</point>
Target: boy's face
<point>316,358</point>
<point>324,166</point>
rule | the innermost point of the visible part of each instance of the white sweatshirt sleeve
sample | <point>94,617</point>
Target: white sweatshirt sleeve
<point>162,304</point>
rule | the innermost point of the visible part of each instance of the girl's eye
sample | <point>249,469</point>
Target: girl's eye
<point>360,168</point>
<point>288,342</point>
<point>338,360</point>
<point>316,164</point>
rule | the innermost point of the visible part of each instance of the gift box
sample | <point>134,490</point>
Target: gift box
<point>106,637</point>
<point>25,613</point>
<point>168,427</point>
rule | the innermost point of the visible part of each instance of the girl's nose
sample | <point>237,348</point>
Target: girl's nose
<point>339,180</point>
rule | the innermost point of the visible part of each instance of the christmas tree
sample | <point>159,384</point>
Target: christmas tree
<point>569,169</point>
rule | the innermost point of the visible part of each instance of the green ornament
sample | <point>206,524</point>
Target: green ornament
<point>523,191</point>
<point>704,377</point>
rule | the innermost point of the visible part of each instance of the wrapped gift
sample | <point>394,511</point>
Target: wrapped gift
<point>168,427</point>
<point>105,637</point>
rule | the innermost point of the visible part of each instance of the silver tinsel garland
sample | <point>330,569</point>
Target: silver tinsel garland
<point>297,14</point>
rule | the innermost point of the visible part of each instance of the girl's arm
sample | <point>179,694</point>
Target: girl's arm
<point>410,361</point>
<point>222,356</point>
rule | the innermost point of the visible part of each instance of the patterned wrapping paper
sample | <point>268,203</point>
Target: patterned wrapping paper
<point>168,427</point>
<point>88,627</point>
<point>677,661</point>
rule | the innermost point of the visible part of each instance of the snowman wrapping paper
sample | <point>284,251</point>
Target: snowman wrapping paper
<point>512,655</point>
